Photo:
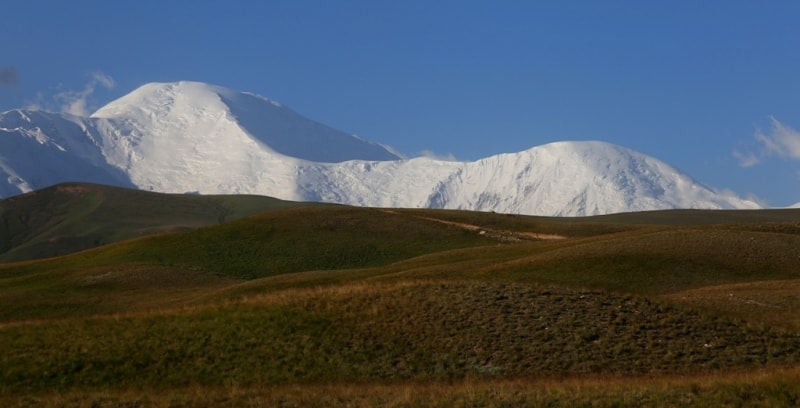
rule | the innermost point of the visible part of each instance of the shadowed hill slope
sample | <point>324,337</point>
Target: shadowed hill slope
<point>75,216</point>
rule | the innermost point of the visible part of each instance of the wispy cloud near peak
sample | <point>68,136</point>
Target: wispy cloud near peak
<point>76,102</point>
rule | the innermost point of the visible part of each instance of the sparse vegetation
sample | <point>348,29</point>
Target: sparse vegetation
<point>367,307</point>
<point>776,388</point>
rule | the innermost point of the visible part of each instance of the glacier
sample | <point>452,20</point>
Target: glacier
<point>194,137</point>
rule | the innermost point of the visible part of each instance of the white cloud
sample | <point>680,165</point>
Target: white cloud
<point>431,155</point>
<point>37,104</point>
<point>105,80</point>
<point>781,140</point>
<point>746,159</point>
<point>76,102</point>
<point>750,197</point>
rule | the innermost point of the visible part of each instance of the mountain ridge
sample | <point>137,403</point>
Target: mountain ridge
<point>194,137</point>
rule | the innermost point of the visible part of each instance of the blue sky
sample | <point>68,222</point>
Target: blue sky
<point>711,87</point>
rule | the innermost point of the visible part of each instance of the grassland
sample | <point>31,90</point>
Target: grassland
<point>71,217</point>
<point>340,306</point>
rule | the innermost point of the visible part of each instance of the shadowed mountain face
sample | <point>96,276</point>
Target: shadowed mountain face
<point>194,137</point>
<point>38,149</point>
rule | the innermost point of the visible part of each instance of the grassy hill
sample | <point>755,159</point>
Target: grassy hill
<point>71,217</point>
<point>335,305</point>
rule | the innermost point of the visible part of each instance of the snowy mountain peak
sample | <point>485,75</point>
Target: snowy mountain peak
<point>563,179</point>
<point>173,107</point>
<point>593,177</point>
<point>161,98</point>
<point>196,137</point>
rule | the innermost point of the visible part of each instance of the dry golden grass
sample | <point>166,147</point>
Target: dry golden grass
<point>774,387</point>
<point>772,303</point>
<point>365,332</point>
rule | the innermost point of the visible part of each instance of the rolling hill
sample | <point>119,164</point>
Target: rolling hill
<point>319,303</point>
<point>71,217</point>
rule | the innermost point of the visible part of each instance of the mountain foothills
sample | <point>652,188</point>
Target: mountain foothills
<point>194,137</point>
<point>70,217</point>
<point>330,305</point>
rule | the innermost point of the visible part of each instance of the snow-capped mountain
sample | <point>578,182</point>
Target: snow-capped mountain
<point>38,149</point>
<point>195,137</point>
<point>563,178</point>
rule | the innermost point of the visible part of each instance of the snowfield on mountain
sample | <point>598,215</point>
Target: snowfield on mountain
<point>191,137</point>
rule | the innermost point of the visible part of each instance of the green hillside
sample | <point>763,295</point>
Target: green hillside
<point>334,305</point>
<point>75,216</point>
